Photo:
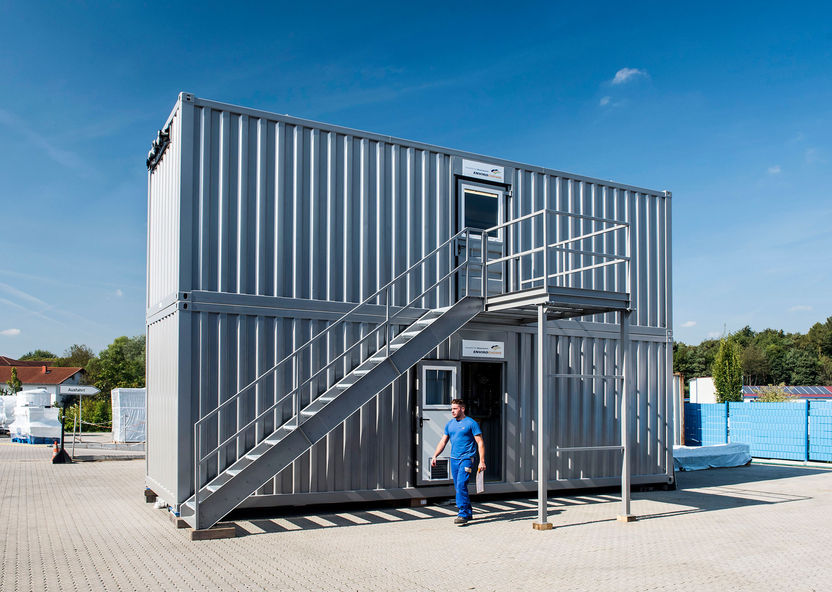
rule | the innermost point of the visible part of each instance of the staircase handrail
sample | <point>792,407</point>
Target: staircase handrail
<point>334,324</point>
<point>335,360</point>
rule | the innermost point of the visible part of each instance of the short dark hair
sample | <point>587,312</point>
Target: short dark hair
<point>459,402</point>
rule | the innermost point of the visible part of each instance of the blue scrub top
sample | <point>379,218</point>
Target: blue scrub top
<point>462,432</point>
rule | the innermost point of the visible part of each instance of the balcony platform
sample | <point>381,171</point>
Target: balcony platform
<point>561,302</point>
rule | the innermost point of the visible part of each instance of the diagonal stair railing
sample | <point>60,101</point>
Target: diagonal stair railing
<point>210,463</point>
<point>537,249</point>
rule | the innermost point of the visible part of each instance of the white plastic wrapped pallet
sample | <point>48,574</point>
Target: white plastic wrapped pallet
<point>129,415</point>
<point>33,418</point>
<point>7,405</point>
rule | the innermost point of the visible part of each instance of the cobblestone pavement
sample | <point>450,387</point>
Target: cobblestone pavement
<point>86,527</point>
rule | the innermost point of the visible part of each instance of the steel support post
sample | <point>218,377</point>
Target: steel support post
<point>626,374</point>
<point>542,428</point>
<point>196,477</point>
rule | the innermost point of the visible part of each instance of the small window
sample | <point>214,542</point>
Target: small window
<point>482,209</point>
<point>439,387</point>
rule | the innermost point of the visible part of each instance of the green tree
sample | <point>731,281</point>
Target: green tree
<point>804,369</point>
<point>13,382</point>
<point>727,372</point>
<point>754,365</point>
<point>121,364</point>
<point>77,355</point>
<point>819,337</point>
<point>39,354</point>
<point>825,370</point>
<point>778,368</point>
<point>773,394</point>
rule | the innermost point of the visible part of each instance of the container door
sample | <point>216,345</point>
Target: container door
<point>438,386</point>
<point>482,391</point>
<point>481,207</point>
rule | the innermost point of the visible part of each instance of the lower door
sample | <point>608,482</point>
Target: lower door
<point>438,386</point>
<point>482,391</point>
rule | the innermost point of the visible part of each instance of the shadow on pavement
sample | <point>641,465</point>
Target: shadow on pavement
<point>698,491</point>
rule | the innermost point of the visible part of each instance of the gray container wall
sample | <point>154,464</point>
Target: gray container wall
<point>272,211</point>
<point>278,206</point>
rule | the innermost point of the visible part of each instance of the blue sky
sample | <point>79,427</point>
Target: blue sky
<point>728,105</point>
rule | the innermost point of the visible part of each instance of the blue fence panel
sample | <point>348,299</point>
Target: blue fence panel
<point>772,430</point>
<point>706,424</point>
<point>820,430</point>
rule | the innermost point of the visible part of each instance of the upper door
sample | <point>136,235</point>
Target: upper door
<point>479,207</point>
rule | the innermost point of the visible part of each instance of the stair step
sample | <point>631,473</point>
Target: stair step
<point>234,472</point>
<point>251,456</point>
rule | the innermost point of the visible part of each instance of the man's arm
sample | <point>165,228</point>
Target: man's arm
<point>439,448</point>
<point>481,448</point>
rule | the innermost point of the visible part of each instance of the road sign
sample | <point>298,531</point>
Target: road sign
<point>78,390</point>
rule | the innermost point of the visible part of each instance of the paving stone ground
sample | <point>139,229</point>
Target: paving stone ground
<point>86,527</point>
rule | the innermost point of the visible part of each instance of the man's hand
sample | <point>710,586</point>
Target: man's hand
<point>433,461</point>
<point>481,468</point>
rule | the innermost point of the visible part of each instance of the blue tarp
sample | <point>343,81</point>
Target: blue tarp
<point>695,458</point>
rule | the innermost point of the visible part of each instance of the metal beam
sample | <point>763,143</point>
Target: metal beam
<point>625,361</point>
<point>542,427</point>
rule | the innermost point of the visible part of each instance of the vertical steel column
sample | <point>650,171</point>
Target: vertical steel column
<point>196,477</point>
<point>625,361</point>
<point>542,434</point>
<point>387,321</point>
<point>545,249</point>
<point>484,258</point>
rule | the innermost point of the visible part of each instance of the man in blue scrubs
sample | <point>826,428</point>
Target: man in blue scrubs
<point>466,439</point>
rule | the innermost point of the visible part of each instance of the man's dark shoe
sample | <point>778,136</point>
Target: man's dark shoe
<point>461,520</point>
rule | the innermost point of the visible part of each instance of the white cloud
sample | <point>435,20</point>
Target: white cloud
<point>10,332</point>
<point>774,170</point>
<point>800,307</point>
<point>626,74</point>
<point>689,324</point>
<point>605,101</point>
<point>714,335</point>
<point>119,293</point>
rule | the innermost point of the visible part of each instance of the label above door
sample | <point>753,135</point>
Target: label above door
<point>482,170</point>
<point>483,349</point>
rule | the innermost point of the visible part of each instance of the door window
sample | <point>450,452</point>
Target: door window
<point>482,209</point>
<point>439,386</point>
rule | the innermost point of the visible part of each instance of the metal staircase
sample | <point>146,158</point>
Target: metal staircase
<point>228,469</point>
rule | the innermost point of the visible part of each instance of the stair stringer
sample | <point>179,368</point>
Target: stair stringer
<point>275,458</point>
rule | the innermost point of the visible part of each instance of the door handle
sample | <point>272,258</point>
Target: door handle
<point>422,420</point>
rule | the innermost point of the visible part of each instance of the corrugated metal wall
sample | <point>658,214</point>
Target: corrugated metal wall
<point>301,210</point>
<point>163,230</point>
<point>279,208</point>
<point>163,406</point>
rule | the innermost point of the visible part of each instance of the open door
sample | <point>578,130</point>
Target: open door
<point>482,391</point>
<point>438,386</point>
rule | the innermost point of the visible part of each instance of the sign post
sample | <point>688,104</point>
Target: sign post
<point>81,391</point>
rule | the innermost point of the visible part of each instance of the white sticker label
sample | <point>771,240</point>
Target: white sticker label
<point>482,170</point>
<point>482,349</point>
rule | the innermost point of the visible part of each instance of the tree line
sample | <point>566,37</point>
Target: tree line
<point>768,357</point>
<point>120,365</point>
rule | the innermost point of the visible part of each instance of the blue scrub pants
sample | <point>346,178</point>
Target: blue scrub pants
<point>461,471</point>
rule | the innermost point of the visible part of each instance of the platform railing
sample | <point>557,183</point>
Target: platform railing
<point>549,259</point>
